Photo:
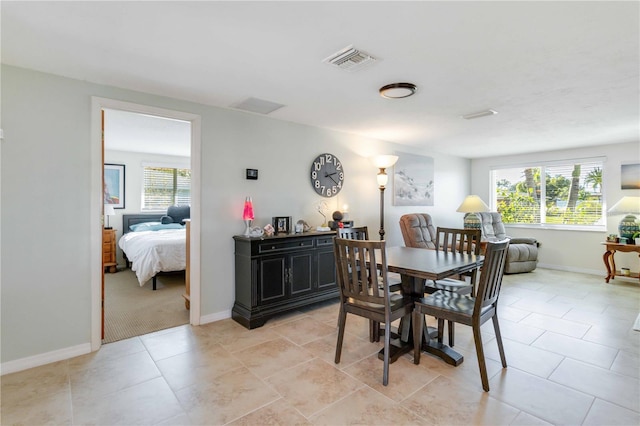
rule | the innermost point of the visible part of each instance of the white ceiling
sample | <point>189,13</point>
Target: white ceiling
<point>560,74</point>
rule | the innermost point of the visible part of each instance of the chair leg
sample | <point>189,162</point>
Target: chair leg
<point>451,333</point>
<point>387,345</point>
<point>496,328</point>
<point>342,319</point>
<point>480,353</point>
<point>417,320</point>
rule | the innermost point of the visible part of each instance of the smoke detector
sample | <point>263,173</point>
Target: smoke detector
<point>350,59</point>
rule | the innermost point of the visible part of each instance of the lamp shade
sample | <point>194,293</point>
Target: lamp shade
<point>626,205</point>
<point>109,210</point>
<point>384,161</point>
<point>473,204</point>
<point>247,213</point>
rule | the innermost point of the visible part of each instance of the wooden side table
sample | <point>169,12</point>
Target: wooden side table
<point>109,250</point>
<point>610,262</point>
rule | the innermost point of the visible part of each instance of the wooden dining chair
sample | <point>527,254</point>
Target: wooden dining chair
<point>366,293</point>
<point>456,240</point>
<point>362,233</point>
<point>459,241</point>
<point>467,309</point>
<point>354,233</point>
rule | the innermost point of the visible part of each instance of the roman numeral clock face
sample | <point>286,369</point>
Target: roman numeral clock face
<point>327,175</point>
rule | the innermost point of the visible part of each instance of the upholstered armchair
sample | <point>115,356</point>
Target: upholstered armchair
<point>523,252</point>
<point>418,230</point>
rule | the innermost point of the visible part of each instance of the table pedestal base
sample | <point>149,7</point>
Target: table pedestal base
<point>430,345</point>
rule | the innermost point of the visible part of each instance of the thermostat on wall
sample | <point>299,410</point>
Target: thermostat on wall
<point>252,174</point>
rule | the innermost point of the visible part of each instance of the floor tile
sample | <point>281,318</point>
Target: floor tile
<point>579,349</point>
<point>557,325</point>
<point>276,413</point>
<point>149,402</point>
<point>605,413</point>
<point>526,358</point>
<point>23,386</point>
<point>112,376</point>
<point>191,367</point>
<point>269,358</point>
<point>541,398</point>
<point>354,349</point>
<point>602,383</point>
<point>313,386</point>
<point>48,409</point>
<point>366,407</point>
<point>446,402</point>
<point>225,398</point>
<point>404,376</point>
<point>627,363</point>
<point>303,330</point>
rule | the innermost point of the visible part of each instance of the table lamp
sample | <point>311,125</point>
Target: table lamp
<point>472,205</point>
<point>247,215</point>
<point>108,211</point>
<point>628,206</point>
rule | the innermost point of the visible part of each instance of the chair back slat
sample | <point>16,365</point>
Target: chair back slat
<point>358,275</point>
<point>492,272</point>
<point>458,240</point>
<point>355,233</point>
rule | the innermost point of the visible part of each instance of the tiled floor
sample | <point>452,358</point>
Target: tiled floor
<point>573,359</point>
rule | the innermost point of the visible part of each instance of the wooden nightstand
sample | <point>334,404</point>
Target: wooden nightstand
<point>109,250</point>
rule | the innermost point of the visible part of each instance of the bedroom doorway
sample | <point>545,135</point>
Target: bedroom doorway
<point>132,156</point>
<point>147,169</point>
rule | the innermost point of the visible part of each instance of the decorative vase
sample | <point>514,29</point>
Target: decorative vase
<point>628,226</point>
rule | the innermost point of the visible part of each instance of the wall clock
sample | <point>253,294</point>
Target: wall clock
<point>327,175</point>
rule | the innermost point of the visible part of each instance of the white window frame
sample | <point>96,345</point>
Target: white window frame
<point>598,227</point>
<point>171,165</point>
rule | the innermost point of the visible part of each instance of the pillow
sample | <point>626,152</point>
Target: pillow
<point>154,226</point>
<point>166,219</point>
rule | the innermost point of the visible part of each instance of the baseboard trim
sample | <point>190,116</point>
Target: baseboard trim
<point>572,269</point>
<point>215,317</point>
<point>43,359</point>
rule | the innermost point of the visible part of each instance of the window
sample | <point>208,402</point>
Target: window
<point>563,193</point>
<point>164,187</point>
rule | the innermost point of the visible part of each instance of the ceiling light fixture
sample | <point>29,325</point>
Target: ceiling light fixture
<point>479,114</point>
<point>398,90</point>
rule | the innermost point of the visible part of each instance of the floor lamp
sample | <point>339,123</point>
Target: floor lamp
<point>383,162</point>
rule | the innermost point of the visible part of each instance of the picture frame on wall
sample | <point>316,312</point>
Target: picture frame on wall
<point>114,179</point>
<point>413,180</point>
<point>282,224</point>
<point>630,176</point>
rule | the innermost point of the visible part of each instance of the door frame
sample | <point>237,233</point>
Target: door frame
<point>97,105</point>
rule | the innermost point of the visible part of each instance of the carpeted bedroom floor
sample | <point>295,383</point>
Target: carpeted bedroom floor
<point>131,310</point>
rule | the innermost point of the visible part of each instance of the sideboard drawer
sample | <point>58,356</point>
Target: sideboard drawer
<point>277,246</point>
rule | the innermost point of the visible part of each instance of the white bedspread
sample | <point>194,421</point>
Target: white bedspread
<point>151,252</point>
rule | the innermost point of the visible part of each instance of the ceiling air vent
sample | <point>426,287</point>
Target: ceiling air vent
<point>350,59</point>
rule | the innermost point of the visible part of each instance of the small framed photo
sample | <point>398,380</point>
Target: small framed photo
<point>114,185</point>
<point>282,224</point>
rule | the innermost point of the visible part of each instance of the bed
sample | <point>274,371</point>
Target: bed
<point>153,244</point>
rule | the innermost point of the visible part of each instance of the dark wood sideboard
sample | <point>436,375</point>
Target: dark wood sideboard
<point>282,273</point>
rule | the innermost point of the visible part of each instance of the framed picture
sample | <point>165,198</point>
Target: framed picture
<point>114,185</point>
<point>630,176</point>
<point>282,224</point>
<point>413,180</point>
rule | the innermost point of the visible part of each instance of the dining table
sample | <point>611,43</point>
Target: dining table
<point>416,266</point>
